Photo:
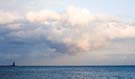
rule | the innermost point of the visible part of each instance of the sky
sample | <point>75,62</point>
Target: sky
<point>67,32</point>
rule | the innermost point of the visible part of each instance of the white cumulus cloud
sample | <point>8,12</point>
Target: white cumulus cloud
<point>76,29</point>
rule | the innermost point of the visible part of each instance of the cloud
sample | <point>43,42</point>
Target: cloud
<point>44,35</point>
<point>72,15</point>
<point>42,16</point>
<point>76,29</point>
<point>7,17</point>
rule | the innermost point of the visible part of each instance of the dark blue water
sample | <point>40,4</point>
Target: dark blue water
<point>84,72</point>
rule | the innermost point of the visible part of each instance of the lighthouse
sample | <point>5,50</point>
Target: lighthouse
<point>13,64</point>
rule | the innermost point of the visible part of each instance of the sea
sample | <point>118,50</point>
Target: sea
<point>67,72</point>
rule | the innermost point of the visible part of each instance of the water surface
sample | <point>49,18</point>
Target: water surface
<point>68,72</point>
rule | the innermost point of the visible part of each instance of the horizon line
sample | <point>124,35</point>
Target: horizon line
<point>67,65</point>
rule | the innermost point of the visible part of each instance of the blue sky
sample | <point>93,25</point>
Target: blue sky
<point>67,32</point>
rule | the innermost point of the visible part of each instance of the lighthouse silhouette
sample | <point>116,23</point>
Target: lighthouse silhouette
<point>13,64</point>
